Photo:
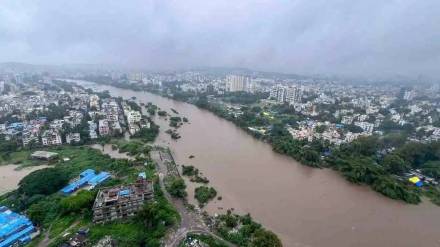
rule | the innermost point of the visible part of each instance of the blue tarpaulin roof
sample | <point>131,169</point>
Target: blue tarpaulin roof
<point>86,177</point>
<point>87,172</point>
<point>124,192</point>
<point>14,228</point>
<point>101,177</point>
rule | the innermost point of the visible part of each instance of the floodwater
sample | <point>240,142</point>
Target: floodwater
<point>304,206</point>
<point>10,176</point>
<point>114,153</point>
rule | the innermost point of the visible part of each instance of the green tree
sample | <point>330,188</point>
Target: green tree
<point>77,203</point>
<point>45,182</point>
<point>265,238</point>
<point>203,194</point>
<point>394,164</point>
<point>176,186</point>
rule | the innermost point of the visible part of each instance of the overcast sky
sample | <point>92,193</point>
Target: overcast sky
<point>369,37</point>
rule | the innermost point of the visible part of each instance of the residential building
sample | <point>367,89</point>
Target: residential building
<point>122,201</point>
<point>94,102</point>
<point>73,137</point>
<point>104,128</point>
<point>278,92</point>
<point>51,137</point>
<point>133,117</point>
<point>236,83</point>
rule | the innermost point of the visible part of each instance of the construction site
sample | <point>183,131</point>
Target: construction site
<point>122,201</point>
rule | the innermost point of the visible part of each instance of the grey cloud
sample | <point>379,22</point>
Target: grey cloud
<point>323,36</point>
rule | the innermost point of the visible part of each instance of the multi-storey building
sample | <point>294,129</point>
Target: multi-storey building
<point>281,94</point>
<point>104,128</point>
<point>236,83</point>
<point>73,137</point>
<point>94,102</point>
<point>51,137</point>
<point>122,201</point>
<point>133,117</point>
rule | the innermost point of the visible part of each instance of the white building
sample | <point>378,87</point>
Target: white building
<point>235,83</point>
<point>73,137</point>
<point>51,137</point>
<point>292,94</point>
<point>409,95</point>
<point>366,126</point>
<point>133,116</point>
<point>104,128</point>
<point>278,93</point>
<point>94,102</point>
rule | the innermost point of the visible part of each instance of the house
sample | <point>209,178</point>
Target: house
<point>57,124</point>
<point>94,102</point>
<point>51,137</point>
<point>73,137</point>
<point>44,155</point>
<point>104,128</point>
<point>133,117</point>
<point>133,128</point>
<point>29,136</point>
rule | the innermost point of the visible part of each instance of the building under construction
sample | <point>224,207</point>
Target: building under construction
<point>122,201</point>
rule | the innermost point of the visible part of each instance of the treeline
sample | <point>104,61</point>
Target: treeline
<point>244,97</point>
<point>301,150</point>
<point>373,161</point>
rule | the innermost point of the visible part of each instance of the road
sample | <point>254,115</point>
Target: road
<point>191,222</point>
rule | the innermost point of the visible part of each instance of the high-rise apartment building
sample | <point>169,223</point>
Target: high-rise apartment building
<point>283,94</point>
<point>236,83</point>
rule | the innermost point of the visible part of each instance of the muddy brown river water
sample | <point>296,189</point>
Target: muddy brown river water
<point>304,206</point>
<point>10,176</point>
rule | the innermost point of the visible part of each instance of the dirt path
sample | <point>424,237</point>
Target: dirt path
<point>47,241</point>
<point>191,222</point>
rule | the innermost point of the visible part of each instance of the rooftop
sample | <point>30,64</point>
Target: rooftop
<point>14,228</point>
<point>123,193</point>
<point>43,155</point>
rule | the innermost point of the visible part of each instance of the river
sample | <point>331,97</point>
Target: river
<point>302,205</point>
<point>10,176</point>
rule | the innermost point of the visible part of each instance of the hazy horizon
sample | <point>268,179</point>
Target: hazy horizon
<point>341,37</point>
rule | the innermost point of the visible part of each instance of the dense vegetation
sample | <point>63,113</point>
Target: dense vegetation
<point>162,113</point>
<point>243,231</point>
<point>204,194</point>
<point>148,134</point>
<point>175,121</point>
<point>43,182</point>
<point>194,174</point>
<point>175,186</point>
<point>244,97</point>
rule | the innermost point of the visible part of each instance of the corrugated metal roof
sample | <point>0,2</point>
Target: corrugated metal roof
<point>14,227</point>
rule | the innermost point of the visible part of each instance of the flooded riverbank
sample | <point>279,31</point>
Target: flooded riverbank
<point>114,153</point>
<point>303,205</point>
<point>10,176</point>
